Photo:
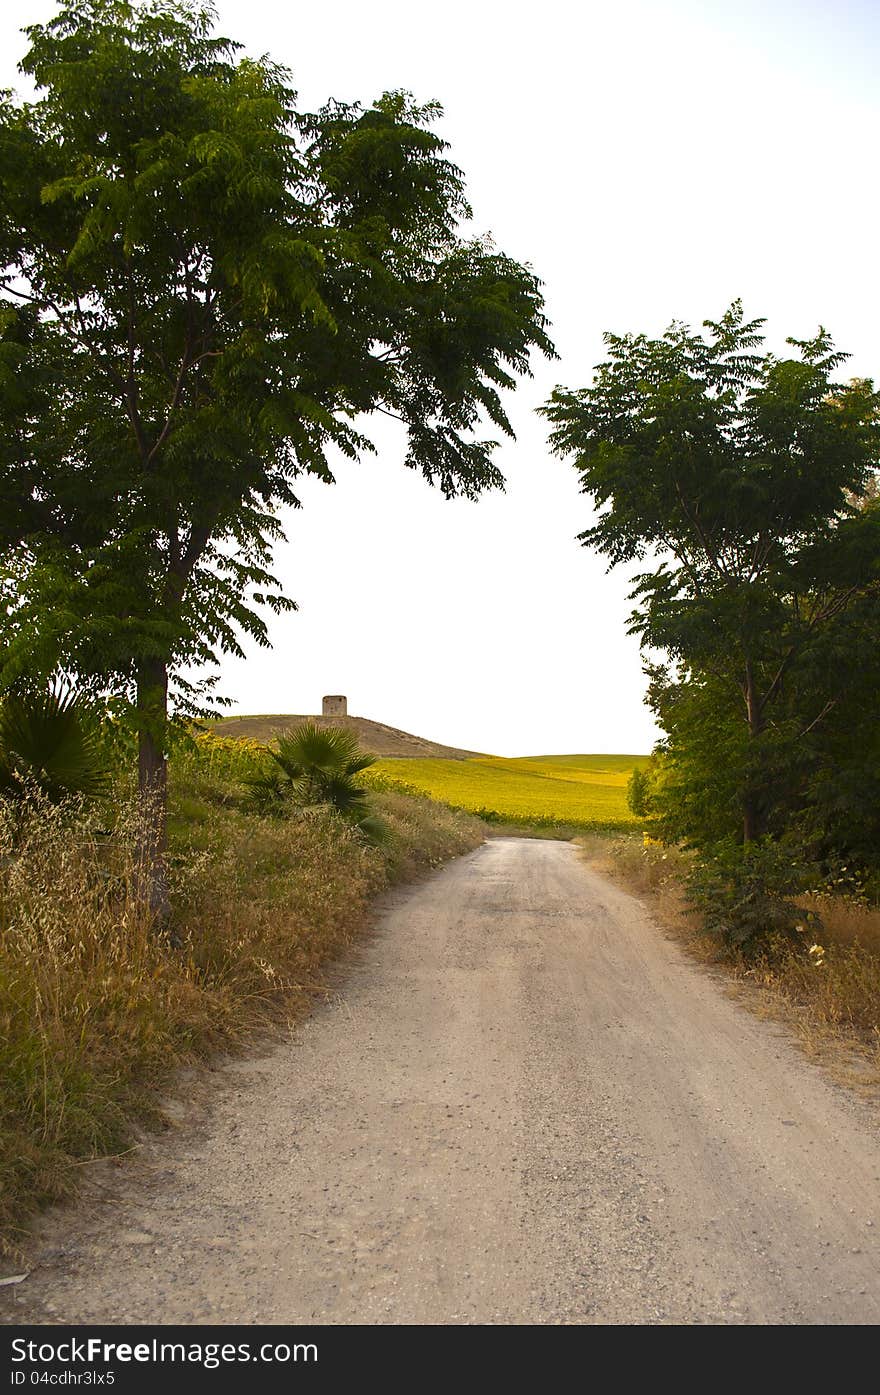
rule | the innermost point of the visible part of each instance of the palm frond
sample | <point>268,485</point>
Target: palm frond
<point>317,766</point>
<point>309,747</point>
<point>359,763</point>
<point>267,793</point>
<point>346,797</point>
<point>375,830</point>
<point>53,739</point>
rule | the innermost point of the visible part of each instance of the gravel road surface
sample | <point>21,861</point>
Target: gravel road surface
<point>522,1105</point>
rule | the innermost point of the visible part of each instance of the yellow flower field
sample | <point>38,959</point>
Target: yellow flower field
<point>577,789</point>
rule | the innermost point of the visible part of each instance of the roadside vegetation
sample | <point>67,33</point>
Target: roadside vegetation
<point>97,1009</point>
<point>824,984</point>
<point>744,485</point>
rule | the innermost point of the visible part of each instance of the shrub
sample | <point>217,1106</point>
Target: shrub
<point>637,793</point>
<point>314,767</point>
<point>216,764</point>
<point>743,893</point>
<point>50,741</point>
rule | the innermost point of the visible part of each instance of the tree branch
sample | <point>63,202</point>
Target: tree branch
<point>816,720</point>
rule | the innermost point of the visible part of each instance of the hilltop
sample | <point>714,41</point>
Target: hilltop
<point>375,737</point>
<point>574,791</point>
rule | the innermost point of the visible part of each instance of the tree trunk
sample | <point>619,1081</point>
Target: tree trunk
<point>751,815</point>
<point>152,705</point>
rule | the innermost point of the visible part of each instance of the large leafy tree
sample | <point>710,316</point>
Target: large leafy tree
<point>738,477</point>
<point>205,292</point>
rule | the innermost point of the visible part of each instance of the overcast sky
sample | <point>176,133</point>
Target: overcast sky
<point>651,161</point>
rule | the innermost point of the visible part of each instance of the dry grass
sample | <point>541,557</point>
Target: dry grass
<point>848,922</point>
<point>831,1000</point>
<point>96,1010</point>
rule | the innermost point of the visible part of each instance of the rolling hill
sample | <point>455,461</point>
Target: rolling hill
<point>585,790</point>
<point>375,737</point>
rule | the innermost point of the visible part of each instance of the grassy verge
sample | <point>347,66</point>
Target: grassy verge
<point>96,1011</point>
<point>831,1000</point>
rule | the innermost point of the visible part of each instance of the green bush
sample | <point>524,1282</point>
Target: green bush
<point>638,794</point>
<point>317,767</point>
<point>744,894</point>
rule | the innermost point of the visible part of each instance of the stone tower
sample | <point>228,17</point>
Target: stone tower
<point>334,706</point>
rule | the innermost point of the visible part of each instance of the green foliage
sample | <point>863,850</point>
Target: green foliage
<point>206,291</point>
<point>726,460</point>
<point>267,791</point>
<point>746,481</point>
<point>699,763</point>
<point>743,893</point>
<point>638,793</point>
<point>52,741</point>
<point>820,779</point>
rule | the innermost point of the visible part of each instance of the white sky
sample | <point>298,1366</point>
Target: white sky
<point>651,161</point>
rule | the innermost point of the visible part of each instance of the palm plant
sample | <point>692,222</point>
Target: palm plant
<point>50,740</point>
<point>318,766</point>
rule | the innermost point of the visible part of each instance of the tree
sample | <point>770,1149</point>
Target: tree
<point>638,793</point>
<point>206,290</point>
<point>738,476</point>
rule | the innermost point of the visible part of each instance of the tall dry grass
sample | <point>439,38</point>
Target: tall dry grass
<point>97,1009</point>
<point>848,921</point>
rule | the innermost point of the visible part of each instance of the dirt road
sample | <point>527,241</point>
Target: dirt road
<point>523,1105</point>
